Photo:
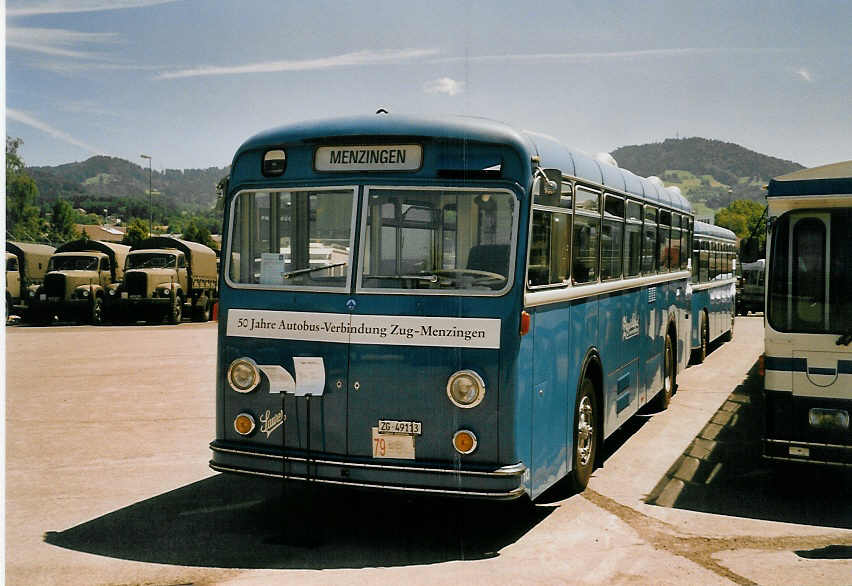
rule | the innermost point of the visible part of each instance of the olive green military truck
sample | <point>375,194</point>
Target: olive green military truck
<point>26,265</point>
<point>79,274</point>
<point>165,277</point>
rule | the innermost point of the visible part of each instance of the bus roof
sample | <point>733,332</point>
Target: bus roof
<point>552,152</point>
<point>705,229</point>
<point>832,179</point>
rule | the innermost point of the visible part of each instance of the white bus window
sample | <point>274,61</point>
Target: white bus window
<point>809,277</point>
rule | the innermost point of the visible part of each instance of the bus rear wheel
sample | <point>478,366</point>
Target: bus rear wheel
<point>664,397</point>
<point>704,334</point>
<point>585,436</point>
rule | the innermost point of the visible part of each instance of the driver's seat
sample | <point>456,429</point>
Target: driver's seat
<point>493,258</point>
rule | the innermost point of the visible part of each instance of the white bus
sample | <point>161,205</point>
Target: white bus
<point>808,360</point>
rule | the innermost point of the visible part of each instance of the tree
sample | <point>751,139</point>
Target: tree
<point>747,220</point>
<point>137,231</point>
<point>23,219</point>
<point>62,222</point>
<point>195,233</point>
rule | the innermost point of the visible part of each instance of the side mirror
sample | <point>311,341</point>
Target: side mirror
<point>551,181</point>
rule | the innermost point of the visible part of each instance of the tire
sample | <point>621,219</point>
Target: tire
<point>704,336</point>
<point>729,335</point>
<point>96,313</point>
<point>201,311</point>
<point>586,436</point>
<point>664,397</point>
<point>176,311</point>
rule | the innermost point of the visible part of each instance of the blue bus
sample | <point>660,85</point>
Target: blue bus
<point>445,306</point>
<point>808,327</point>
<point>713,287</point>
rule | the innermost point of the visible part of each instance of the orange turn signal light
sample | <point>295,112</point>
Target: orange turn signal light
<point>525,323</point>
<point>244,424</point>
<point>464,441</point>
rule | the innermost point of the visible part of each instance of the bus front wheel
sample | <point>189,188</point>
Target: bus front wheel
<point>585,436</point>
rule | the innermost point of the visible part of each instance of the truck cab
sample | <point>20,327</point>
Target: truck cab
<point>155,279</point>
<point>78,277</point>
<point>164,277</point>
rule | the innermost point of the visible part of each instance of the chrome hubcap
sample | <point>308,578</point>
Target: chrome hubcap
<point>585,431</point>
<point>668,374</point>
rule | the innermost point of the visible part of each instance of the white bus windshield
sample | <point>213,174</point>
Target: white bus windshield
<point>809,277</point>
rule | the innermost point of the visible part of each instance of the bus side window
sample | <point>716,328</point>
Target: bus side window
<point>633,239</point>
<point>550,248</point>
<point>665,239</point>
<point>612,237</point>
<point>649,241</point>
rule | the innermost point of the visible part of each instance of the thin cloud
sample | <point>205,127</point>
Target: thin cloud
<point>357,59</point>
<point>444,85</point>
<point>804,74</point>
<point>593,56</point>
<point>25,118</point>
<point>28,8</point>
<point>56,42</point>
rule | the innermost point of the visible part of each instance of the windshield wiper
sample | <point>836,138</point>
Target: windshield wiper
<point>426,278</point>
<point>289,274</point>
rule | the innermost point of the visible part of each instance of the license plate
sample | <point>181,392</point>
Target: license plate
<point>136,297</point>
<point>406,427</point>
<point>53,299</point>
<point>393,445</point>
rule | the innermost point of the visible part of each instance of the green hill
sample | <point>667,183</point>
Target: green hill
<point>710,173</point>
<point>100,178</point>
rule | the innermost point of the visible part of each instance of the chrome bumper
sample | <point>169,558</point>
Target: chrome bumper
<point>503,483</point>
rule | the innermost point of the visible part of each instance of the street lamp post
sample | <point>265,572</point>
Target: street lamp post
<point>150,198</point>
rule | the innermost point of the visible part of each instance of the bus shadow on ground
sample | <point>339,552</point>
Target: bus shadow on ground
<point>241,522</point>
<point>723,472</point>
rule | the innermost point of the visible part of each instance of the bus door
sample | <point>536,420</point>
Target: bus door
<point>426,255</point>
<point>809,270</point>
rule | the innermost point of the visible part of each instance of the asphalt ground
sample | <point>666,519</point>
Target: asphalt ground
<point>107,432</point>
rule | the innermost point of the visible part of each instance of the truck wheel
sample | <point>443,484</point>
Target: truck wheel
<point>201,311</point>
<point>96,317</point>
<point>176,313</point>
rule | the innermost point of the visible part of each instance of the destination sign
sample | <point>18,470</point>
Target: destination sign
<point>400,157</point>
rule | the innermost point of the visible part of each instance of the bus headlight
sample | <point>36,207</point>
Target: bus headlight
<point>464,441</point>
<point>466,389</point>
<point>244,424</point>
<point>243,375</point>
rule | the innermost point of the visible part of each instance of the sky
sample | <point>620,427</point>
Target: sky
<point>187,81</point>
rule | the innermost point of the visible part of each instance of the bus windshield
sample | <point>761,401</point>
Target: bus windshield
<point>411,238</point>
<point>439,239</point>
<point>292,239</point>
<point>809,277</point>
